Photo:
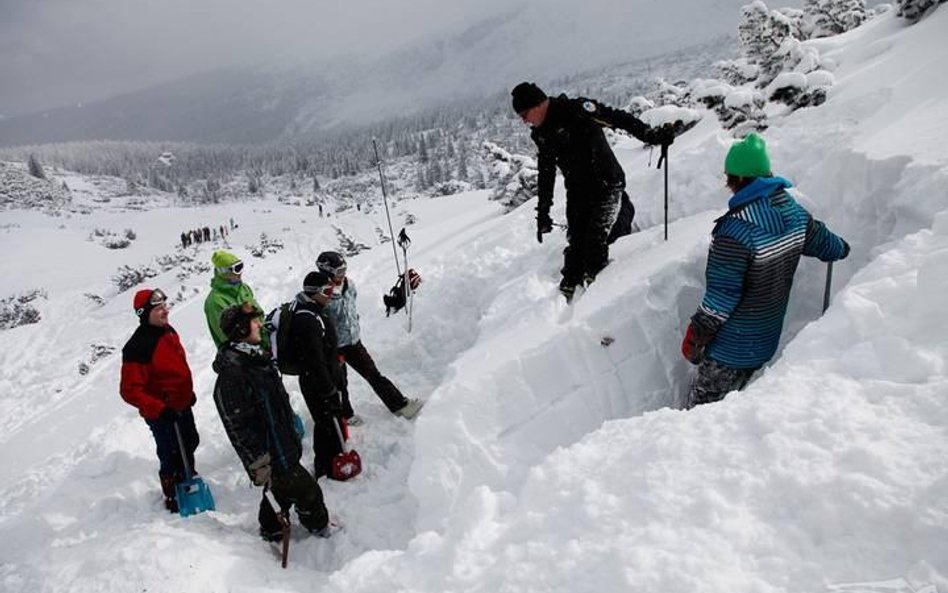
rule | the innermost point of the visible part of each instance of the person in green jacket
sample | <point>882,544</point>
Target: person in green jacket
<point>227,290</point>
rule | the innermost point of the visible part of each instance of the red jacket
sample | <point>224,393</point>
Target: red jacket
<point>155,372</point>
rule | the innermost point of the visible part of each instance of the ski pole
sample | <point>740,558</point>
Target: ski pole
<point>663,160</point>
<point>829,285</point>
<point>388,216</point>
<point>404,241</point>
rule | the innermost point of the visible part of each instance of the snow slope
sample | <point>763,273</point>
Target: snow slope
<point>544,460</point>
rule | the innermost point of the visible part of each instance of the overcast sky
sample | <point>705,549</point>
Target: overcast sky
<point>57,52</point>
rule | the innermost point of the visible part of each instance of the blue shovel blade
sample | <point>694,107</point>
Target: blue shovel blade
<point>193,497</point>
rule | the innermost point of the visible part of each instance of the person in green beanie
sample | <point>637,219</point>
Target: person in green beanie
<point>755,249</point>
<point>227,290</point>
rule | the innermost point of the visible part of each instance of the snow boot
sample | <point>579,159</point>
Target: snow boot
<point>329,530</point>
<point>410,409</point>
<point>167,488</point>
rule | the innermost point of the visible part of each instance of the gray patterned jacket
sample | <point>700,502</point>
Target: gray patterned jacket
<point>344,315</point>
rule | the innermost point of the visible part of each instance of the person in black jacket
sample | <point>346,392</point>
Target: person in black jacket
<point>255,409</point>
<point>568,134</point>
<point>313,342</point>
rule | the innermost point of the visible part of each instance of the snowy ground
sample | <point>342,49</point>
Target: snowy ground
<point>544,460</point>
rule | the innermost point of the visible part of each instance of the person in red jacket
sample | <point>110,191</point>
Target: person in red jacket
<point>156,379</point>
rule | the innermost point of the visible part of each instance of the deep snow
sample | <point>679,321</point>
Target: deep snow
<point>543,460</point>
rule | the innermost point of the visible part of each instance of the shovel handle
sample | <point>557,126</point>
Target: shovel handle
<point>342,439</point>
<point>282,519</point>
<point>184,456</point>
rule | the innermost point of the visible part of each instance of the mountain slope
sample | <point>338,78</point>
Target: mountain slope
<point>543,460</point>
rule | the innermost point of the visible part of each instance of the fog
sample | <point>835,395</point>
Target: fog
<point>61,52</point>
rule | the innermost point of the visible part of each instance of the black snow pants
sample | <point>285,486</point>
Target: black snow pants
<point>590,216</point>
<point>294,488</point>
<point>361,362</point>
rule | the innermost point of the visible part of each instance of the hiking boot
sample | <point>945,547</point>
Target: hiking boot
<point>329,530</point>
<point>271,535</point>
<point>567,290</point>
<point>171,505</point>
<point>355,420</point>
<point>410,409</point>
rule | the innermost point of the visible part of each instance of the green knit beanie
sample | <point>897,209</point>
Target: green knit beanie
<point>222,259</point>
<point>748,158</point>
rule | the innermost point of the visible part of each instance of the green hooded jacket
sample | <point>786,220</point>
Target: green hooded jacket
<point>223,295</point>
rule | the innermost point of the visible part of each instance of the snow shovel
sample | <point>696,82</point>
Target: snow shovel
<point>347,464</point>
<point>284,523</point>
<point>192,493</point>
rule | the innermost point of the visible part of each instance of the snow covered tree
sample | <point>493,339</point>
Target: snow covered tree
<point>762,32</point>
<point>825,18</point>
<point>516,176</point>
<point>35,168</point>
<point>914,10</point>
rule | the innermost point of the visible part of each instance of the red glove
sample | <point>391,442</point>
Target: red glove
<point>690,348</point>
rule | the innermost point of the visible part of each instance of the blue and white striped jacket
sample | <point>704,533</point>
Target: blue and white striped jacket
<point>754,253</point>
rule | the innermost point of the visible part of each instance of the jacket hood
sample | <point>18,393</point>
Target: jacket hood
<point>759,188</point>
<point>229,356</point>
<point>220,284</point>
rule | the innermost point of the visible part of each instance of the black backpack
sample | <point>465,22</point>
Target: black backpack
<point>396,299</point>
<point>278,323</point>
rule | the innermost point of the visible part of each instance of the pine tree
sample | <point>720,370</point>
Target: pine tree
<point>914,10</point>
<point>422,150</point>
<point>35,168</point>
<point>825,18</point>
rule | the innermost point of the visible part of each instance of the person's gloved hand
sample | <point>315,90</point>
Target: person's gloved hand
<point>260,470</point>
<point>700,333</point>
<point>544,224</point>
<point>661,136</point>
<point>690,348</point>
<point>167,414</point>
<point>845,249</point>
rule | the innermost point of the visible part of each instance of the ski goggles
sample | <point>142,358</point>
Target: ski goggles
<point>325,290</point>
<point>158,297</point>
<point>339,270</point>
<point>236,268</point>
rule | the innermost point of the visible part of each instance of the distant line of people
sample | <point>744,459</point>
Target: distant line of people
<point>204,235</point>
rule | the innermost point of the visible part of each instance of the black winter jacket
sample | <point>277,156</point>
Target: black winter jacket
<point>255,408</point>
<point>572,139</point>
<point>313,341</point>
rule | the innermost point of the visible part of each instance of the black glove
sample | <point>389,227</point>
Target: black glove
<point>167,414</point>
<point>845,249</point>
<point>544,224</point>
<point>661,136</point>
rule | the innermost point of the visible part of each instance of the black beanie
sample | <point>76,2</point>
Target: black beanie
<point>526,95</point>
<point>315,280</point>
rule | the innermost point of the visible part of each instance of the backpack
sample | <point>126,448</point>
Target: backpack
<point>277,324</point>
<point>395,299</point>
